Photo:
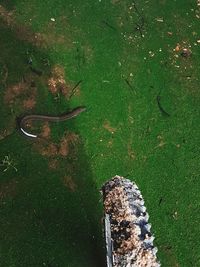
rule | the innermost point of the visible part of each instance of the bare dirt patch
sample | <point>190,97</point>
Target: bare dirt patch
<point>65,147</point>
<point>29,103</point>
<point>68,141</point>
<point>13,92</point>
<point>8,131</point>
<point>53,164</point>
<point>69,183</point>
<point>21,92</point>
<point>46,131</point>
<point>108,127</point>
<point>58,85</point>
<point>19,97</point>
<point>47,149</point>
<point>6,16</point>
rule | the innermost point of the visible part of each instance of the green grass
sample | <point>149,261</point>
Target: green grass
<point>42,222</point>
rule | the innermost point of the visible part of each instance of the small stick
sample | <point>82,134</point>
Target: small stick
<point>129,85</point>
<point>74,88</point>
<point>108,25</point>
<point>160,201</point>
<point>165,113</point>
<point>5,72</point>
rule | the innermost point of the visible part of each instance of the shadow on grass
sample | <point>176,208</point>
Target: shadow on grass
<point>43,223</point>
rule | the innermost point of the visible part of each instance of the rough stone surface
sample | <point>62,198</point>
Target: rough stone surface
<point>127,226</point>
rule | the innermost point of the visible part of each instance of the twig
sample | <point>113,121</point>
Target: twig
<point>108,25</point>
<point>80,57</point>
<point>160,201</point>
<point>5,73</point>
<point>165,113</point>
<point>129,85</point>
<point>74,88</point>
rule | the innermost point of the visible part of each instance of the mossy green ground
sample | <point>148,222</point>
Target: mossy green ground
<point>42,222</point>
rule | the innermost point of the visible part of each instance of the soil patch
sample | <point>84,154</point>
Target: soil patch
<point>69,183</point>
<point>6,16</point>
<point>53,164</point>
<point>46,131</point>
<point>23,92</point>
<point>57,84</point>
<point>6,132</point>
<point>62,149</point>
<point>29,103</point>
<point>108,127</point>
